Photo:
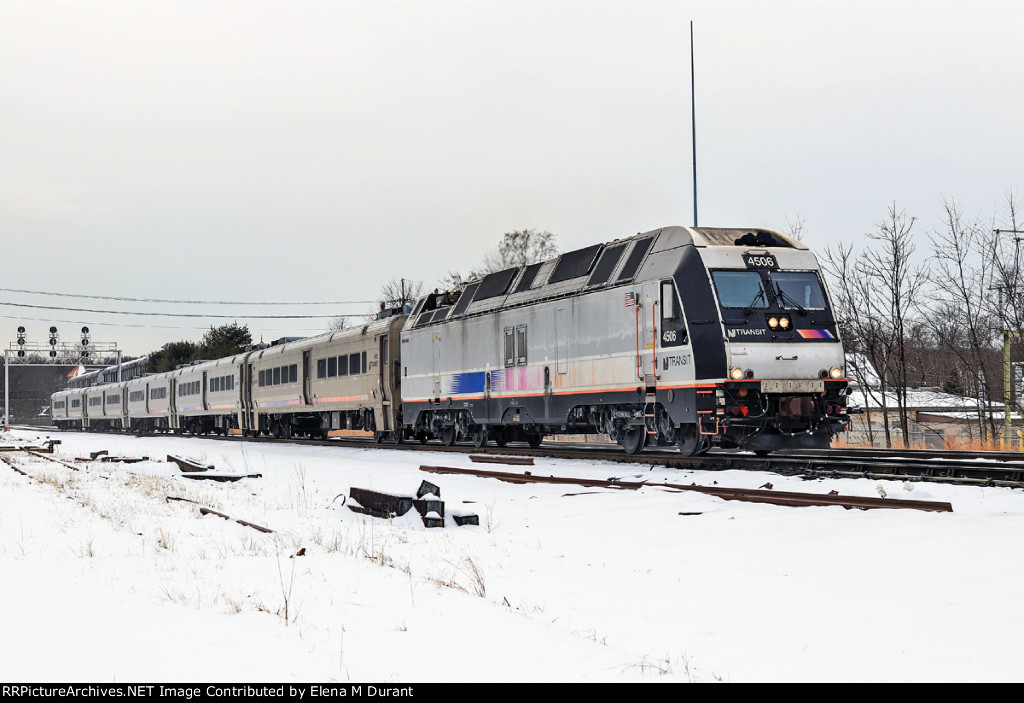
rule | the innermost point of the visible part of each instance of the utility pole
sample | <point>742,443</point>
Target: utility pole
<point>1007,333</point>
<point>693,127</point>
<point>1007,387</point>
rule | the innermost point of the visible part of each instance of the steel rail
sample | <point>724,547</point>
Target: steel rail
<point>785,498</point>
<point>948,467</point>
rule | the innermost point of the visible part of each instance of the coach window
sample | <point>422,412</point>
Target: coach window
<point>353,364</point>
<point>321,368</point>
<point>277,375</point>
<point>343,365</point>
<point>332,367</point>
<point>293,373</point>
<point>262,381</point>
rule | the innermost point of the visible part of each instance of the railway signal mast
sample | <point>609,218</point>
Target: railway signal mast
<point>52,353</point>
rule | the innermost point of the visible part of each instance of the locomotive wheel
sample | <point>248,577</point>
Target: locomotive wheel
<point>499,437</point>
<point>479,436</point>
<point>378,437</point>
<point>535,440</point>
<point>690,441</point>
<point>634,439</point>
<point>398,436</point>
<point>448,436</point>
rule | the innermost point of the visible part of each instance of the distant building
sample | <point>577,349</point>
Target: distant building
<point>936,419</point>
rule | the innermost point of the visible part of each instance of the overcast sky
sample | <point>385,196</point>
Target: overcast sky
<point>310,151</point>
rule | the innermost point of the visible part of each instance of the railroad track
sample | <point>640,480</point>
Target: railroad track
<point>1005,469</point>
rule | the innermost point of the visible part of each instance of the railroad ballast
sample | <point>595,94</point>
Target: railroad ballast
<point>691,336</point>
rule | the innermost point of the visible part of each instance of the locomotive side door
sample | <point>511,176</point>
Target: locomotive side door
<point>435,355</point>
<point>645,310</point>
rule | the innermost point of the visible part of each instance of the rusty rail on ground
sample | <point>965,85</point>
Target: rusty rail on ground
<point>745,494</point>
<point>203,510</point>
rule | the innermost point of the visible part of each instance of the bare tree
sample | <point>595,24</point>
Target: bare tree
<point>518,248</point>
<point>796,226</point>
<point>896,284</point>
<point>876,295</point>
<point>338,323</point>
<point>964,267</point>
<point>396,293</point>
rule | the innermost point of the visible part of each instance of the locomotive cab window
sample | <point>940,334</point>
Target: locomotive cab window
<point>798,289</point>
<point>740,289</point>
<point>673,329</point>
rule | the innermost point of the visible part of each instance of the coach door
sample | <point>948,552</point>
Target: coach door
<point>307,375</point>
<point>172,403</point>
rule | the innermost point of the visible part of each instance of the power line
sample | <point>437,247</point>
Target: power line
<point>184,302</point>
<point>182,314</point>
<point>51,320</point>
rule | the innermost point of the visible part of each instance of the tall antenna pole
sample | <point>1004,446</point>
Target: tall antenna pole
<point>693,126</point>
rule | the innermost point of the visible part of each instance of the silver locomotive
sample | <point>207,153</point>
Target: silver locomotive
<point>698,337</point>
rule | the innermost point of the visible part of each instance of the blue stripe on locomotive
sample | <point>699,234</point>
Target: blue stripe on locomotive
<point>461,383</point>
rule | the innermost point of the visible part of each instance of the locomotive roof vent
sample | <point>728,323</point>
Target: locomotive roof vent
<point>761,239</point>
<point>743,237</point>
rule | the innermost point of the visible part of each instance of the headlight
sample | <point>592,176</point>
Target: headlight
<point>836,372</point>
<point>784,322</point>
<point>773,322</point>
<point>736,373</point>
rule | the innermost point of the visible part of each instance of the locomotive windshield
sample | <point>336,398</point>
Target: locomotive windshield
<point>740,289</point>
<point>798,290</point>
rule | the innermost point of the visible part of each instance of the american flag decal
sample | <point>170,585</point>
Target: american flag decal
<point>630,299</point>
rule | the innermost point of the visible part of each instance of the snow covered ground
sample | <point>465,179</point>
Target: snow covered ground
<point>105,580</point>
